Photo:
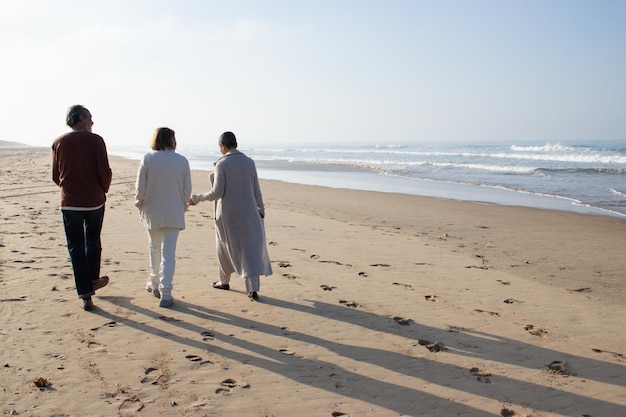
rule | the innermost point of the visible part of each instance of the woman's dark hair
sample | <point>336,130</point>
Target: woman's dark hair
<point>74,113</point>
<point>163,138</point>
<point>228,139</point>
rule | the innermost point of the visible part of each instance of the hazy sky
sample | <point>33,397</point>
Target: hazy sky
<point>315,71</point>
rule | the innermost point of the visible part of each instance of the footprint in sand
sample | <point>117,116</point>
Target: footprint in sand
<point>42,383</point>
<point>159,378</point>
<point>327,287</point>
<point>228,384</point>
<point>617,355</point>
<point>402,320</point>
<point>560,368</point>
<point>170,319</point>
<point>347,303</point>
<point>89,340</point>
<point>512,301</point>
<point>289,276</point>
<point>22,298</point>
<point>506,412</point>
<point>287,352</point>
<point>284,264</point>
<point>504,282</point>
<point>338,380</point>
<point>158,373</point>
<point>432,298</point>
<point>197,359</point>
<point>456,329</point>
<point>407,286</point>
<point>481,375</point>
<point>207,335</point>
<point>585,289</point>
<point>536,330</point>
<point>381,265</point>
<point>363,274</point>
<point>432,346</point>
<point>335,262</point>
<point>492,313</point>
<point>107,324</point>
<point>479,372</point>
<point>484,267</point>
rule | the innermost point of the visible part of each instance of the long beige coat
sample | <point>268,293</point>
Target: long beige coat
<point>239,212</point>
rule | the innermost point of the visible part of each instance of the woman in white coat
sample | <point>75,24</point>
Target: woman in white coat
<point>162,191</point>
<point>239,213</point>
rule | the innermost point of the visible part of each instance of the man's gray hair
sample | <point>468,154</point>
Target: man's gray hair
<point>73,114</point>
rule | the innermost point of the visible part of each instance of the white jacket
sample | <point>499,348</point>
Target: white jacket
<point>163,189</point>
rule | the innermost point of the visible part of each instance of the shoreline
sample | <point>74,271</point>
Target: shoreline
<point>370,179</point>
<point>357,178</point>
<point>366,179</point>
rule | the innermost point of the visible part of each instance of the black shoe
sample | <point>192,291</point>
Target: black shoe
<point>220,286</point>
<point>88,304</point>
<point>253,296</point>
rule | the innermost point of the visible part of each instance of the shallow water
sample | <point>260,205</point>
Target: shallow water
<point>579,178</point>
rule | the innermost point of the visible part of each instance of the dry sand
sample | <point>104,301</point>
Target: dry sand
<point>380,305</point>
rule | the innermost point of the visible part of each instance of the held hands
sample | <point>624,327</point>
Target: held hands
<point>192,203</point>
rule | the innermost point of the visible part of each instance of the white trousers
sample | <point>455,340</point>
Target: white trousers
<point>162,245</point>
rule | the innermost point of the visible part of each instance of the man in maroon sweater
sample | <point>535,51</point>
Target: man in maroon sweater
<point>80,167</point>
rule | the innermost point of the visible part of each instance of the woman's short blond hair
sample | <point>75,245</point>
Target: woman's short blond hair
<point>163,138</point>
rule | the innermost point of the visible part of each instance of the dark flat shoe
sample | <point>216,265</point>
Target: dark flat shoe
<point>253,296</point>
<point>88,304</point>
<point>220,286</point>
<point>100,282</point>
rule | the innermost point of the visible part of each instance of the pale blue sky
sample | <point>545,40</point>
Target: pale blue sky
<point>316,71</point>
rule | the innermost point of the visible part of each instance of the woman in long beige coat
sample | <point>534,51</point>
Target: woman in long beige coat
<point>239,213</point>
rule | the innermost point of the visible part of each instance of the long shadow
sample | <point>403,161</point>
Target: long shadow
<point>505,389</point>
<point>339,381</point>
<point>359,386</point>
<point>502,349</point>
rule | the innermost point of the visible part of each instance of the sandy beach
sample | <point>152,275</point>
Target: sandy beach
<point>380,305</point>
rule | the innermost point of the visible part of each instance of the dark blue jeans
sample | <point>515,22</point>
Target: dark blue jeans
<point>82,230</point>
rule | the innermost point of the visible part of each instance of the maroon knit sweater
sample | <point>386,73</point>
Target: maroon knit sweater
<point>80,166</point>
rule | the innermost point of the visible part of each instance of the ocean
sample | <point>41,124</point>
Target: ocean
<point>583,178</point>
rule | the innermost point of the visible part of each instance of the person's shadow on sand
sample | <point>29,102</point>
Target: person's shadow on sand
<point>328,376</point>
